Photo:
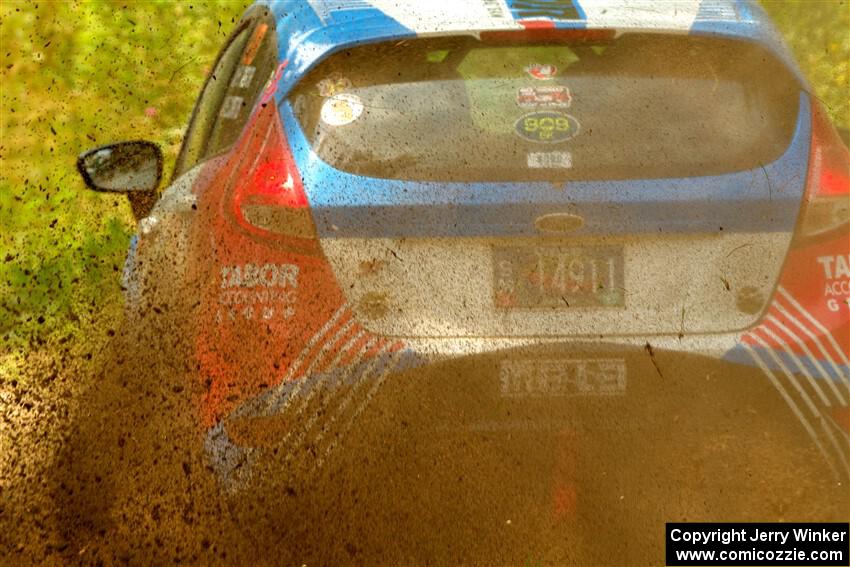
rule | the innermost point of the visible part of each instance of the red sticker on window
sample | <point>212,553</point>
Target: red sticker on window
<point>541,72</point>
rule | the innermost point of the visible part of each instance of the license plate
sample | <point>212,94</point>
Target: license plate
<point>522,378</point>
<point>558,276</point>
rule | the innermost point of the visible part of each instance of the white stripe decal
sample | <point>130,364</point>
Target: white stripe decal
<point>345,349</point>
<point>371,393</point>
<point>440,16</point>
<point>641,14</point>
<point>842,431</point>
<point>395,359</point>
<point>824,374</point>
<point>797,362</point>
<point>807,400</point>
<point>812,336</point>
<point>793,406</point>
<point>331,367</point>
<point>436,17</point>
<point>340,408</point>
<point>353,392</point>
<point>315,339</point>
<point>816,413</point>
<point>308,425</point>
<point>284,383</point>
<point>817,324</point>
<point>322,355</point>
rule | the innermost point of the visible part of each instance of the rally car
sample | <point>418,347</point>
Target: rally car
<point>543,263</point>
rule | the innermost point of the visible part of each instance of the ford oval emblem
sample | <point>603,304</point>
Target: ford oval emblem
<point>547,126</point>
<point>558,222</point>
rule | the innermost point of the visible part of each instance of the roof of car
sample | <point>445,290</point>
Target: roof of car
<point>312,29</point>
<point>448,16</point>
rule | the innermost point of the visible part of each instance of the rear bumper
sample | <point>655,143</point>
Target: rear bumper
<point>443,384</point>
<point>418,443</point>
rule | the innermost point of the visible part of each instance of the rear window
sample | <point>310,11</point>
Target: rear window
<point>570,107</point>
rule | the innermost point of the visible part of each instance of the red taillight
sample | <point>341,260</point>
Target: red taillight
<point>269,196</point>
<point>277,182</point>
<point>826,206</point>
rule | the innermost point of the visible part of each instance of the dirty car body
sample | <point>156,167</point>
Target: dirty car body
<point>493,236</point>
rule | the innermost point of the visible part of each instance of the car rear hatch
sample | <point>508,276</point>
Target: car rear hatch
<point>582,183</point>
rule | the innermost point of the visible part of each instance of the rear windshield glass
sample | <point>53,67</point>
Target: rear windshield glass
<point>570,107</point>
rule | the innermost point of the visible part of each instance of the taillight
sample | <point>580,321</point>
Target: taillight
<point>826,206</point>
<point>273,200</point>
<point>269,197</point>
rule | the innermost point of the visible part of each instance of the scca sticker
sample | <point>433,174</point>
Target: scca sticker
<point>555,96</point>
<point>547,126</point>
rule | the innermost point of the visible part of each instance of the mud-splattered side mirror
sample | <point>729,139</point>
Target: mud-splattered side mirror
<point>133,168</point>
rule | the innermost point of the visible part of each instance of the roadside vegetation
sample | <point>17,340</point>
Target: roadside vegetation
<point>79,74</point>
<point>76,75</point>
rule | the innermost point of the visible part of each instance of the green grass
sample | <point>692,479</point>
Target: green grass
<point>78,74</point>
<point>818,33</point>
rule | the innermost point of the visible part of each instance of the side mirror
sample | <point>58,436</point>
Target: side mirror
<point>133,168</point>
